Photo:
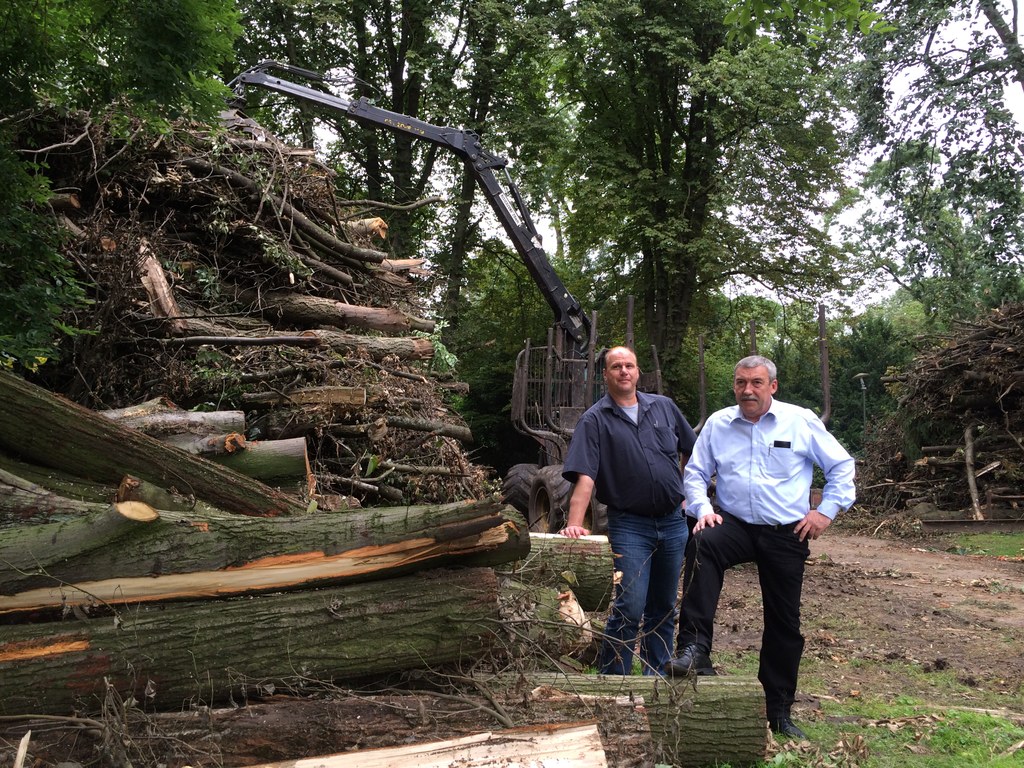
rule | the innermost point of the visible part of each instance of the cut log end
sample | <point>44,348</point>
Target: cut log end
<point>138,511</point>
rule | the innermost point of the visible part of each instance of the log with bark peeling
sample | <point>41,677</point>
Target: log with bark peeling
<point>54,432</point>
<point>99,557</point>
<point>349,397</point>
<point>174,421</point>
<point>162,303</point>
<point>208,651</point>
<point>312,312</point>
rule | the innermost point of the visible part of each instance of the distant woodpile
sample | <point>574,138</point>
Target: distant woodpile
<point>955,446</point>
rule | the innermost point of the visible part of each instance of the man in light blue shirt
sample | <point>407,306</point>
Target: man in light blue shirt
<point>762,453</point>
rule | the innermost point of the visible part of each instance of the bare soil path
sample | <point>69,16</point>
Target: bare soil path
<point>908,604</point>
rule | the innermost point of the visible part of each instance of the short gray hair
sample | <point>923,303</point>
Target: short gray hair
<point>755,361</point>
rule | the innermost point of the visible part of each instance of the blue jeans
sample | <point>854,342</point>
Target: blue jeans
<point>649,552</point>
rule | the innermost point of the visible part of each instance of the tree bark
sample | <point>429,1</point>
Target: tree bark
<point>185,555</point>
<point>349,397</point>
<point>456,431</point>
<point>208,446</point>
<point>219,650</point>
<point>268,460</point>
<point>55,432</point>
<point>582,565</point>
<point>22,501</point>
<point>693,722</point>
<point>162,303</point>
<point>60,483</point>
<point>375,347</point>
<point>312,311</point>
<point>178,422</point>
<point>278,729</point>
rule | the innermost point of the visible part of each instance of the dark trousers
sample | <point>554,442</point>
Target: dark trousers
<point>780,558</point>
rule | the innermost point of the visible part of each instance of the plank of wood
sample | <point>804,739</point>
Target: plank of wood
<point>546,746</point>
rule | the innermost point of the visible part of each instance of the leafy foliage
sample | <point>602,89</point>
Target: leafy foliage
<point>816,17</point>
<point>697,164</point>
<point>157,58</point>
<point>943,210</point>
<point>36,283</point>
<point>163,56</point>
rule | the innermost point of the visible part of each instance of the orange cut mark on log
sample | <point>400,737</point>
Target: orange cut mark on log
<point>27,649</point>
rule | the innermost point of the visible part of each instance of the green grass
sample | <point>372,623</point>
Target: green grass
<point>994,544</point>
<point>969,728</point>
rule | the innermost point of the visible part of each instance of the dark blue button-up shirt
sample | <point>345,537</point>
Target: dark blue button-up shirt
<point>635,467</point>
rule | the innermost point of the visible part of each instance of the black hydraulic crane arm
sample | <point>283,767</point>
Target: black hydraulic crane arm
<point>513,215</point>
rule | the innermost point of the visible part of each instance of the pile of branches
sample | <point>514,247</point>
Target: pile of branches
<point>956,442</point>
<point>224,273</point>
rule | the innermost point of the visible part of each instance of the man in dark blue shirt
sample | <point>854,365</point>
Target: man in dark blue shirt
<point>629,447</point>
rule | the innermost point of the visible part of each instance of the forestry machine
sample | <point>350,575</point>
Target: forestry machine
<point>553,384</point>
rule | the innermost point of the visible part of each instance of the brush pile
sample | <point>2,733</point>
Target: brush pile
<point>226,275</point>
<point>955,446</point>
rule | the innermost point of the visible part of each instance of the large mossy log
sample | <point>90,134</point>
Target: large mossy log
<point>175,655</point>
<point>113,557</point>
<point>694,722</point>
<point>22,501</point>
<point>704,711</point>
<point>45,429</point>
<point>582,565</point>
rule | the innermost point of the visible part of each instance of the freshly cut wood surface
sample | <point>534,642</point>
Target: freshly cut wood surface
<point>573,745</point>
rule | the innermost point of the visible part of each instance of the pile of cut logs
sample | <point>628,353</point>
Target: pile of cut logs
<point>199,585</point>
<point>244,489</point>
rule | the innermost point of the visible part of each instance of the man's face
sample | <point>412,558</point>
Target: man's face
<point>621,372</point>
<point>754,391</point>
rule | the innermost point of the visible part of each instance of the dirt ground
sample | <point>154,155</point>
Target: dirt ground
<point>904,602</point>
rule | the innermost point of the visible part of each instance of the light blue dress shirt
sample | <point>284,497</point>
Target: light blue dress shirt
<point>764,470</point>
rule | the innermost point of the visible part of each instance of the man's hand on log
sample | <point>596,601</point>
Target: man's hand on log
<point>574,531</point>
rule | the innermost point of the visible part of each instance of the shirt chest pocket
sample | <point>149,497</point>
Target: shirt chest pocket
<point>782,462</point>
<point>664,440</point>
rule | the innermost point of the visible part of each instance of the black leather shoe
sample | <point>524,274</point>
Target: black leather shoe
<point>783,726</point>
<point>691,661</point>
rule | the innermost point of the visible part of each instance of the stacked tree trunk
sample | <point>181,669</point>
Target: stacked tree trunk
<point>196,606</point>
<point>227,276</point>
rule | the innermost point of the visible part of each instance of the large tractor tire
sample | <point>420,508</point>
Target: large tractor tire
<point>515,488</point>
<point>549,504</point>
<point>549,500</point>
<point>597,517</point>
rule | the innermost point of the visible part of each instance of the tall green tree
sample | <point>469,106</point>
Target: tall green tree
<point>698,163</point>
<point>943,214</point>
<point>157,59</point>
